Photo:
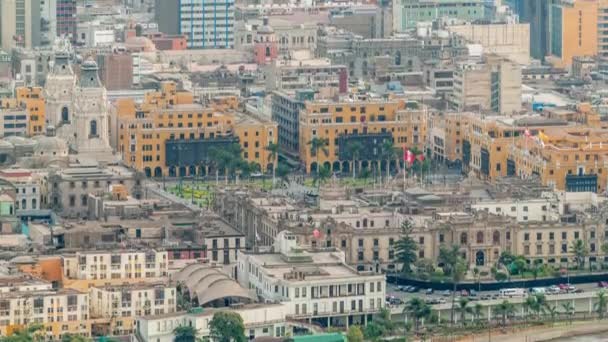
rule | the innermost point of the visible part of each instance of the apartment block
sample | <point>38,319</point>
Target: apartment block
<point>492,84</point>
<point>123,303</point>
<point>574,31</point>
<point>20,25</point>
<point>95,265</point>
<point>408,13</point>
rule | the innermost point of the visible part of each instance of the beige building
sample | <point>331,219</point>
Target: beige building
<point>508,40</point>
<point>94,265</point>
<point>122,303</point>
<point>20,24</point>
<point>493,84</point>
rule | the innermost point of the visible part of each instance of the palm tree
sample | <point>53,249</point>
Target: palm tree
<point>273,149</point>
<point>354,149</point>
<point>580,251</point>
<point>464,309</point>
<point>184,333</point>
<point>454,266</point>
<point>568,310</point>
<point>504,310</point>
<point>321,176</point>
<point>476,273</point>
<point>552,312</point>
<point>602,303</point>
<point>388,152</point>
<point>318,144</point>
<point>418,309</point>
<point>477,311</point>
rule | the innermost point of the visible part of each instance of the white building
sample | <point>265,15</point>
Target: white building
<point>29,188</point>
<point>58,91</point>
<point>120,265</point>
<point>316,285</point>
<point>259,320</point>
<point>526,210</point>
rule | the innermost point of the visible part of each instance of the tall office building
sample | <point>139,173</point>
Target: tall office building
<point>66,18</point>
<point>537,13</point>
<point>19,23</point>
<point>206,24</point>
<point>574,31</point>
<point>407,13</point>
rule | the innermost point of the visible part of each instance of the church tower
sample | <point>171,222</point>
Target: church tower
<point>58,91</point>
<point>91,119</point>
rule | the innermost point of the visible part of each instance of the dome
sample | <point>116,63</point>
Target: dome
<point>52,146</point>
<point>19,141</point>
<point>23,259</point>
<point>89,64</point>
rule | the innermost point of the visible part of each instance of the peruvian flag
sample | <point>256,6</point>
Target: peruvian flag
<point>409,157</point>
<point>527,133</point>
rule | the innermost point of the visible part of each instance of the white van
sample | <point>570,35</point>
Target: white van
<point>510,293</point>
<point>539,290</point>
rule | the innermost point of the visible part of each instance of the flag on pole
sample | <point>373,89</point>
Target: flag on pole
<point>527,133</point>
<point>420,157</point>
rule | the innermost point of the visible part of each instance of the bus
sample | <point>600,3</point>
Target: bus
<point>510,293</point>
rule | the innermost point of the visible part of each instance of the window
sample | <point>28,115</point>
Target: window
<point>526,236</point>
<point>93,128</point>
<point>539,236</point>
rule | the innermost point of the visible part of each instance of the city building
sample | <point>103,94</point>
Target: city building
<point>602,38</point>
<point>172,135</point>
<point>66,18</point>
<point>538,14</point>
<point>20,24</point>
<point>286,107</point>
<point>410,12</point>
<point>289,37</point>
<point>574,31</point>
<point>492,84</point>
<point>116,70</point>
<point>370,124</point>
<point>367,21</point>
<point>508,40</point>
<point>28,301</point>
<point>116,266</point>
<point>32,99</point>
<point>69,188</point>
<point>260,320</point>
<point>30,188</point>
<point>207,24</point>
<point>296,74</point>
<point>316,284</point>
<point>121,304</point>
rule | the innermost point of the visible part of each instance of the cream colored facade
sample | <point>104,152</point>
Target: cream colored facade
<point>509,40</point>
<point>123,303</point>
<point>120,265</point>
<point>494,84</point>
<point>59,311</point>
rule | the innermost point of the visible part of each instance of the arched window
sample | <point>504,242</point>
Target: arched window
<point>479,237</point>
<point>34,204</point>
<point>93,128</point>
<point>65,114</point>
<point>398,58</point>
<point>268,51</point>
<point>23,204</point>
<point>463,239</point>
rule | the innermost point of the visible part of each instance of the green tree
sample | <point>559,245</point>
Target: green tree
<point>373,331</point>
<point>354,334</point>
<point>184,333</point>
<point>580,251</point>
<point>477,312</point>
<point>464,309</point>
<point>321,176</point>
<point>476,273</point>
<point>31,333</point>
<point>601,304</point>
<point>354,150</point>
<point>406,247</point>
<point>384,320</point>
<point>568,310</point>
<point>388,153</point>
<point>454,266</point>
<point>282,172</point>
<point>74,338</point>
<point>273,149</point>
<point>418,309</point>
<point>503,311</point>
<point>552,312</point>
<point>317,145</point>
<point>227,327</point>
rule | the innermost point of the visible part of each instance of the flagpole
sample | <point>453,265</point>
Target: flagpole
<point>404,168</point>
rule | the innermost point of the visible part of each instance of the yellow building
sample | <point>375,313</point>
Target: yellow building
<point>169,134</point>
<point>574,31</point>
<point>367,124</point>
<point>32,99</point>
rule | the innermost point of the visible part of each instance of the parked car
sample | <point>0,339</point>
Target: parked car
<point>412,289</point>
<point>428,291</point>
<point>464,293</point>
<point>472,293</point>
<point>446,293</point>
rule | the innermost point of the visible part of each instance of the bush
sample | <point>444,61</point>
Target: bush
<point>501,276</point>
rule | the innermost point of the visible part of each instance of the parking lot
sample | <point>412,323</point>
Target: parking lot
<point>398,295</point>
